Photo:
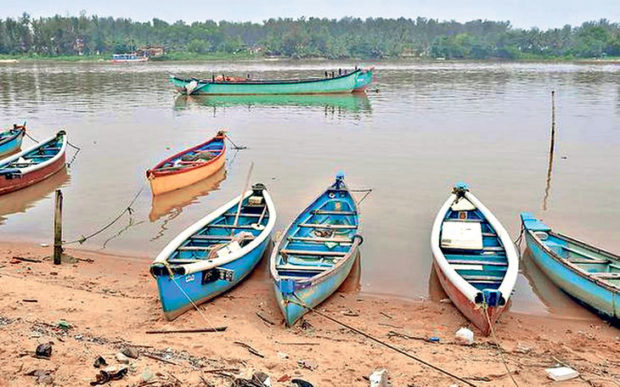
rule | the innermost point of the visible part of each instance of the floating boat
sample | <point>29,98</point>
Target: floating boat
<point>189,166</point>
<point>215,253</point>
<point>33,164</point>
<point>128,58</point>
<point>316,252</point>
<point>355,81</point>
<point>587,273</point>
<point>475,260</point>
<point>11,140</point>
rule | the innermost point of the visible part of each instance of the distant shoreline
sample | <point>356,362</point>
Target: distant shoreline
<point>186,57</point>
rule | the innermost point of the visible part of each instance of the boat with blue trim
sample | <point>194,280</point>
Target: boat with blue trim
<point>215,253</point>
<point>585,272</point>
<point>316,252</point>
<point>475,260</point>
<point>11,140</point>
<point>34,164</point>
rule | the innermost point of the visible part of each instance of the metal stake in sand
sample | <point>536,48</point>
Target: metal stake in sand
<point>245,188</point>
<point>58,228</point>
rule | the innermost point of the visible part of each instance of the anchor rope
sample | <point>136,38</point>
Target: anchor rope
<point>77,148</point>
<point>367,191</point>
<point>369,336</point>
<point>192,302</point>
<point>499,348</point>
<point>235,146</point>
<point>128,209</point>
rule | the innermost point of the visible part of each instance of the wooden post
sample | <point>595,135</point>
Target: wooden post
<point>551,151</point>
<point>58,228</point>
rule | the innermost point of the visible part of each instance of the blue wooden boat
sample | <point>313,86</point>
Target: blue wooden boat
<point>587,273</point>
<point>11,140</point>
<point>215,253</point>
<point>316,252</point>
<point>475,260</point>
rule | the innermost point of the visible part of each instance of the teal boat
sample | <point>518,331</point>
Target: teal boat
<point>343,82</point>
<point>587,273</point>
<point>317,252</point>
<point>11,140</point>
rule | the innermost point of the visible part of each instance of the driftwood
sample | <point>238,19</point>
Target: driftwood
<point>250,349</point>
<point>265,319</point>
<point>218,370</point>
<point>28,259</point>
<point>159,358</point>
<point>201,330</point>
<point>386,315</point>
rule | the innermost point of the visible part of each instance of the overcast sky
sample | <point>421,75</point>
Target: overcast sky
<point>521,13</point>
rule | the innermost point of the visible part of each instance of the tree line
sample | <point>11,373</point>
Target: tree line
<point>371,38</point>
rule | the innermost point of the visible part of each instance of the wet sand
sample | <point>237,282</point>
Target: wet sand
<point>111,301</point>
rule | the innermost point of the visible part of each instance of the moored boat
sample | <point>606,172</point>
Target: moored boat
<point>189,166</point>
<point>474,258</point>
<point>128,58</point>
<point>347,82</point>
<point>316,252</point>
<point>34,164</point>
<point>587,273</point>
<point>215,253</point>
<point>11,140</point>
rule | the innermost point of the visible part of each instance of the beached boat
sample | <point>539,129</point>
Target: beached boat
<point>316,252</point>
<point>11,140</point>
<point>34,164</point>
<point>189,166</point>
<point>587,273</point>
<point>128,58</point>
<point>475,260</point>
<point>215,253</point>
<point>347,82</point>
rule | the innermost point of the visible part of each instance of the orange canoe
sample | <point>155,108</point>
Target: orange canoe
<point>189,166</point>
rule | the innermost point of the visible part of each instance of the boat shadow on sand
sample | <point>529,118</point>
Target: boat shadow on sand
<point>332,103</point>
<point>26,198</point>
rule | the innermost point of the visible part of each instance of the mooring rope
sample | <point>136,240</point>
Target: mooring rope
<point>436,368</point>
<point>367,191</point>
<point>128,209</point>
<point>517,242</point>
<point>192,302</point>
<point>499,348</point>
<point>235,146</point>
<point>77,148</point>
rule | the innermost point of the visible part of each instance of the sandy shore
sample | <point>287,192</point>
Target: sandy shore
<point>110,302</point>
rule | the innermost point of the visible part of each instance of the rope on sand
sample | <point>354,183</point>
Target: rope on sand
<point>367,335</point>
<point>499,348</point>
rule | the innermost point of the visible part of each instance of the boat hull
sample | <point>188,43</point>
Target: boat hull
<point>10,185</point>
<point>314,294</point>
<point>12,145</point>
<point>470,310</point>
<point>171,182</point>
<point>356,81</point>
<point>582,288</point>
<point>175,301</point>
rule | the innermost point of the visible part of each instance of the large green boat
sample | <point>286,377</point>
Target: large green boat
<point>341,82</point>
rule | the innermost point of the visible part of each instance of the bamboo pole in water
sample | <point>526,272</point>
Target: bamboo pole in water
<point>245,188</point>
<point>551,151</point>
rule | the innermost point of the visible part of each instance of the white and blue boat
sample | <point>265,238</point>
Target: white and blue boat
<point>11,140</point>
<point>316,252</point>
<point>587,273</point>
<point>215,253</point>
<point>475,260</point>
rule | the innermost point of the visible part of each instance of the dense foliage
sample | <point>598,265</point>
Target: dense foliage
<point>313,37</point>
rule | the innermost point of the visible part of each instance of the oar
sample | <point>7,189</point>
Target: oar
<point>245,188</point>
<point>258,226</point>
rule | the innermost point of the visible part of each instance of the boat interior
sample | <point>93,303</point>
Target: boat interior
<point>472,247</point>
<point>597,263</point>
<point>8,134</point>
<point>223,236</point>
<point>193,157</point>
<point>36,156</point>
<point>320,237</point>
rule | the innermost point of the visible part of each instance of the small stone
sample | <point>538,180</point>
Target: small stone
<point>445,301</point>
<point>283,355</point>
<point>147,375</point>
<point>122,358</point>
<point>131,352</point>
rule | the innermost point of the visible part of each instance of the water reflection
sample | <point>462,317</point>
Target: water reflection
<point>554,299</point>
<point>22,200</point>
<point>337,103</point>
<point>172,203</point>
